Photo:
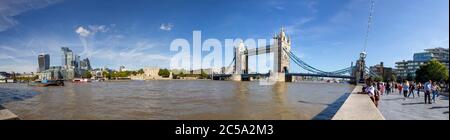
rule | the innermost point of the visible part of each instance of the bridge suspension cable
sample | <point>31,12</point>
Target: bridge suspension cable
<point>230,66</point>
<point>309,68</point>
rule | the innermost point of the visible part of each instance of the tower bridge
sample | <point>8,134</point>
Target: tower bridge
<point>238,70</point>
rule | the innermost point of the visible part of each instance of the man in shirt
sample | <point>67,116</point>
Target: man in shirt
<point>427,87</point>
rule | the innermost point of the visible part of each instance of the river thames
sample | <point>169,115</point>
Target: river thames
<point>176,99</point>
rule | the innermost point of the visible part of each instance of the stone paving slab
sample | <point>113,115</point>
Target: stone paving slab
<point>396,107</point>
<point>5,114</point>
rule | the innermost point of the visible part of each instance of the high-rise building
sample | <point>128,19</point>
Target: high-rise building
<point>407,69</point>
<point>44,62</point>
<point>67,58</point>
<point>85,64</point>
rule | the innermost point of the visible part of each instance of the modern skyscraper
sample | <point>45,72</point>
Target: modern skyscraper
<point>44,62</point>
<point>67,58</point>
<point>85,64</point>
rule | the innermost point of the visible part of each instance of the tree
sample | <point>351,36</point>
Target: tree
<point>393,78</point>
<point>378,78</point>
<point>203,75</point>
<point>433,70</point>
<point>164,73</point>
<point>35,77</point>
<point>106,74</point>
<point>140,71</point>
<point>87,74</point>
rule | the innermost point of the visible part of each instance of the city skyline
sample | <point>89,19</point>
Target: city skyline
<point>139,34</point>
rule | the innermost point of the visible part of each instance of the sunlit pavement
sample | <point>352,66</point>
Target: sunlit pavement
<point>395,107</point>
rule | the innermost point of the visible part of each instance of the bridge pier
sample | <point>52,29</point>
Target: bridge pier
<point>289,78</point>
<point>236,77</point>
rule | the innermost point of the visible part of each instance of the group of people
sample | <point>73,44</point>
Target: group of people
<point>376,89</point>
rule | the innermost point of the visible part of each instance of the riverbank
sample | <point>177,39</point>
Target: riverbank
<point>358,107</point>
<point>5,114</point>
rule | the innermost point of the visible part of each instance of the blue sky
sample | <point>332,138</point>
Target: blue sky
<point>137,33</point>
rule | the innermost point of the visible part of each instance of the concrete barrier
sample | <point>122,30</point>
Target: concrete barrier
<point>5,114</point>
<point>358,107</point>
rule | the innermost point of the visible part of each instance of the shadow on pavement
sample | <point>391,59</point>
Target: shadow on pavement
<point>332,108</point>
<point>413,103</point>
<point>446,112</point>
<point>438,107</point>
<point>393,99</point>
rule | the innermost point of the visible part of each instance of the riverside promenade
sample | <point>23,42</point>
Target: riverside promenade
<point>5,114</point>
<point>396,107</point>
<point>358,107</point>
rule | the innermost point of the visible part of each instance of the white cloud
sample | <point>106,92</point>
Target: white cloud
<point>11,8</point>
<point>98,28</point>
<point>83,32</point>
<point>297,26</point>
<point>92,30</point>
<point>166,26</point>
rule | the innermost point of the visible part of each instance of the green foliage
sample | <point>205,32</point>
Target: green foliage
<point>203,75</point>
<point>106,75</point>
<point>164,73</point>
<point>140,71</point>
<point>393,78</point>
<point>87,74</point>
<point>378,79</point>
<point>433,70</point>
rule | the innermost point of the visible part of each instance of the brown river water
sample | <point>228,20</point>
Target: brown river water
<point>174,100</point>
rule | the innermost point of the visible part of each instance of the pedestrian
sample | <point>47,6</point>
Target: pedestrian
<point>395,87</point>
<point>435,91</point>
<point>405,87</point>
<point>382,88</point>
<point>411,89</point>
<point>399,89</point>
<point>427,87</point>
<point>388,88</point>
<point>370,90</point>
<point>418,87</point>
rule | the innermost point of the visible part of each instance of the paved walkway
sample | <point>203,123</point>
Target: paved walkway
<point>395,107</point>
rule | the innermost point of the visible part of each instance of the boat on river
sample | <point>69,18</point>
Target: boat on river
<point>81,80</point>
<point>45,83</point>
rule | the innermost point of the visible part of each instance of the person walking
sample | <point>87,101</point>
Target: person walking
<point>395,87</point>
<point>405,87</point>
<point>382,88</point>
<point>411,89</point>
<point>428,87</point>
<point>435,91</point>
<point>418,87</point>
<point>388,88</point>
<point>400,89</point>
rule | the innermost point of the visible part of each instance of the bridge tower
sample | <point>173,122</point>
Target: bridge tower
<point>241,64</point>
<point>282,60</point>
<point>359,71</point>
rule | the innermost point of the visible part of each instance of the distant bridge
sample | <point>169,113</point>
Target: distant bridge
<point>238,69</point>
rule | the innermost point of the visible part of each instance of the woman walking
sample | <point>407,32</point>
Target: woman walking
<point>418,87</point>
<point>405,87</point>
<point>435,91</point>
